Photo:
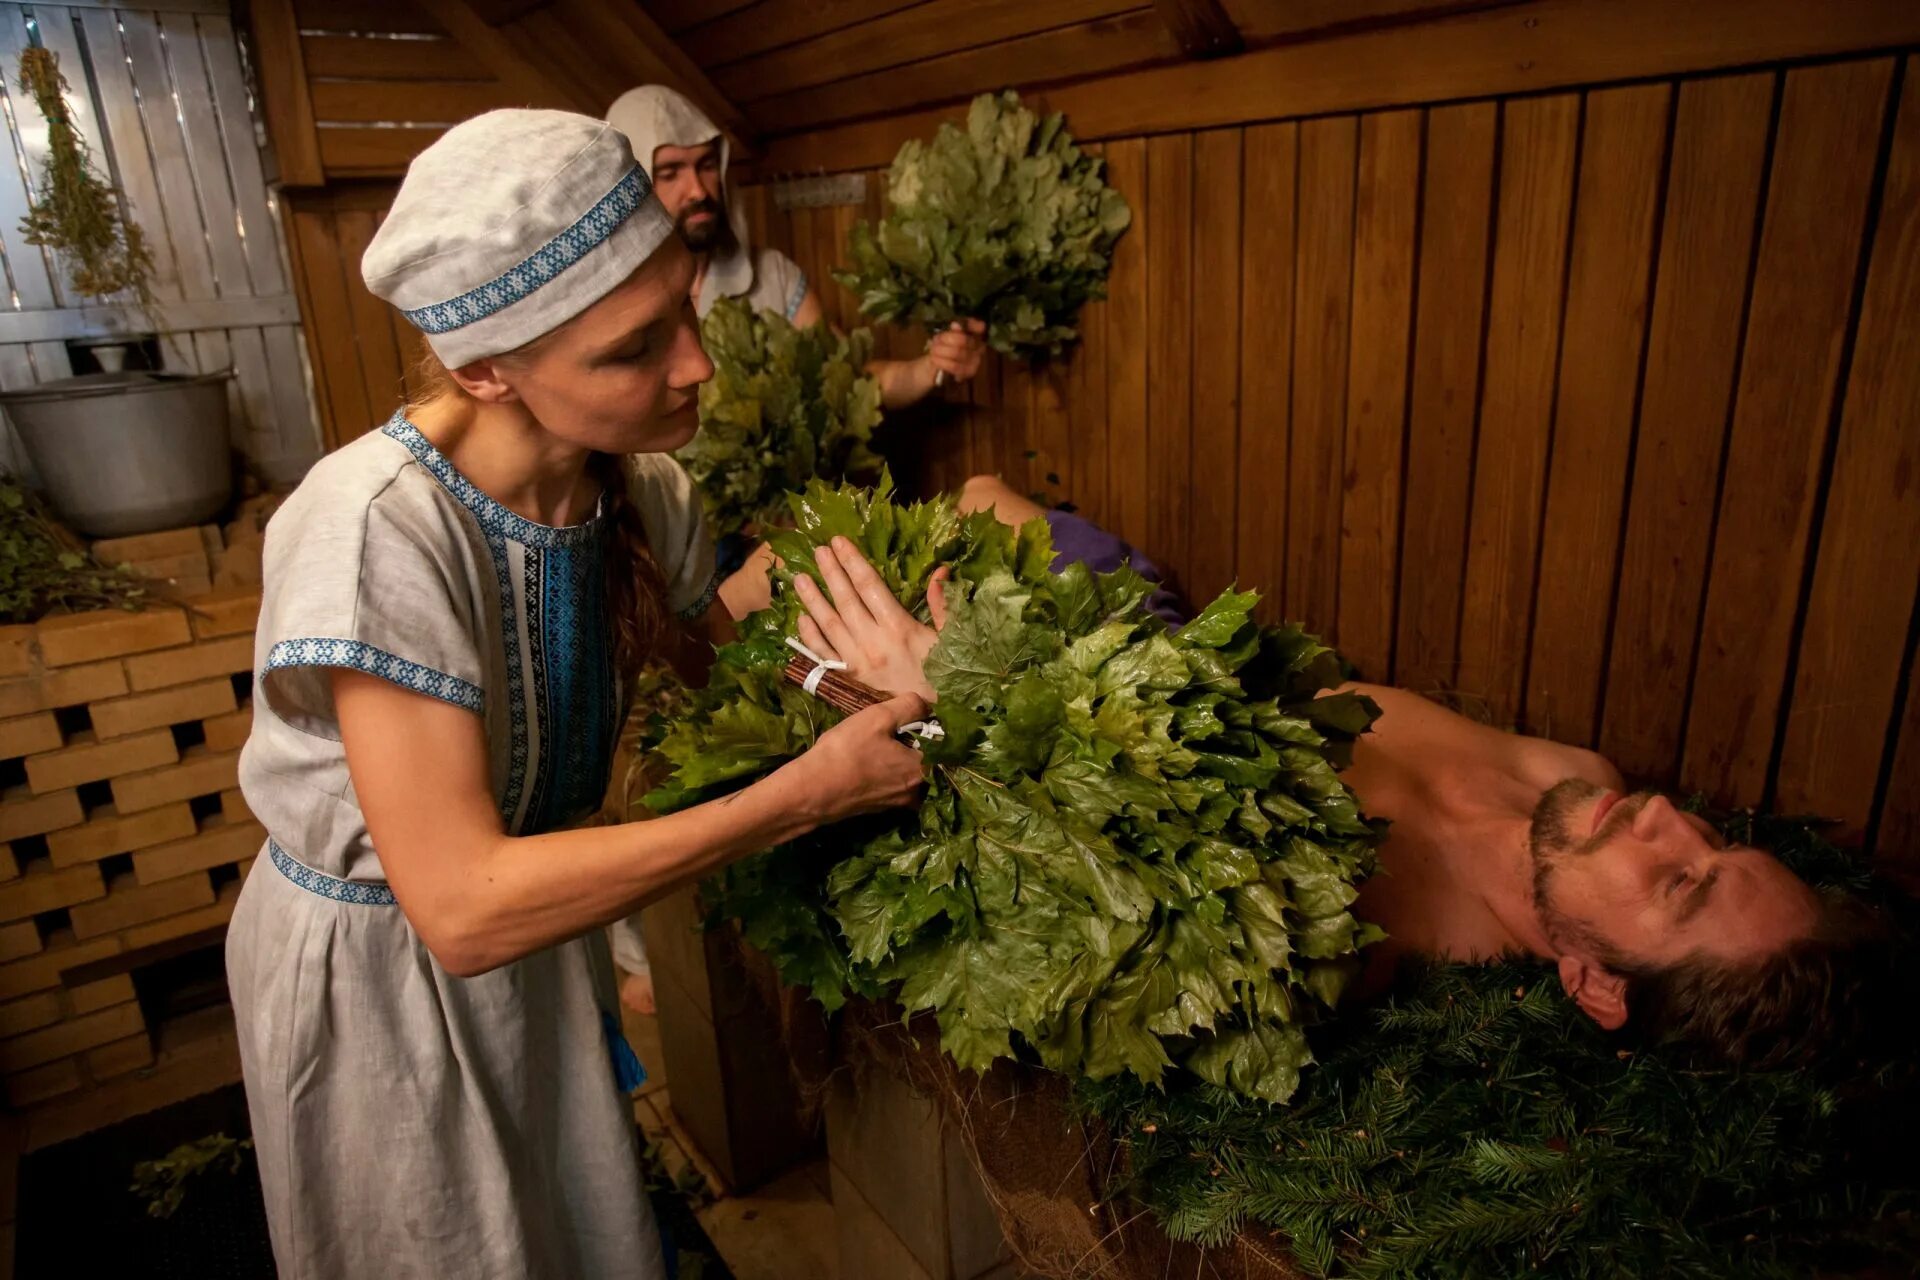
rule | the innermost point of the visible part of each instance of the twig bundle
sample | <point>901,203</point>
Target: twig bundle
<point>837,689</point>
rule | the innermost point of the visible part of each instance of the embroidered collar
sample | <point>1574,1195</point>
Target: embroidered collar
<point>494,517</point>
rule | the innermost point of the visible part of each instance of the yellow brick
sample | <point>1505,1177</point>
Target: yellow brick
<point>110,633</point>
<point>187,588</point>
<point>19,940</point>
<point>67,687</point>
<point>179,705</point>
<point>89,760</point>
<point>106,833</point>
<point>41,1083</point>
<point>238,566</point>
<point>75,1035</point>
<point>45,888</point>
<point>187,922</point>
<point>9,865</point>
<point>195,662</point>
<point>230,611</point>
<point>234,807</point>
<point>199,773</point>
<point>24,814</point>
<point>16,650</point>
<point>95,996</point>
<point>29,735</point>
<point>129,903</point>
<point>43,970</point>
<point>229,732</point>
<point>21,1016</point>
<point>120,1057</point>
<point>219,844</point>
<point>246,868</point>
<point>150,546</point>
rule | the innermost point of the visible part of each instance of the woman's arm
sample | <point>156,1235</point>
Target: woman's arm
<point>480,898</point>
<point>956,352</point>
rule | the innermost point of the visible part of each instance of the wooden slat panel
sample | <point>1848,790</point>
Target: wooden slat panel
<point>927,30</point>
<point>1386,204</point>
<point>1088,413</point>
<point>1323,292</point>
<point>364,15</point>
<point>1706,249</point>
<point>1810,242</point>
<point>1217,263</point>
<point>172,169</point>
<point>774,23</point>
<point>1516,408</point>
<point>678,15</point>
<point>359,58</point>
<point>1269,19</point>
<point>1271,158</point>
<point>1519,49</point>
<point>1623,154</point>
<point>344,409</point>
<point>1452,294</point>
<point>414,102</point>
<point>1854,641</point>
<point>373,330</point>
<point>372,153</point>
<point>1169,345</point>
<point>1127,338</point>
<point>1051,426</point>
<point>1089,48</point>
<point>1898,834</point>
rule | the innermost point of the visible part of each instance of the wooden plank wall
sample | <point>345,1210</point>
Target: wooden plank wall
<point>1596,408</point>
<point>161,99</point>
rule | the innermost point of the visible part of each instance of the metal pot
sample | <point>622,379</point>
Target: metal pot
<point>131,452</point>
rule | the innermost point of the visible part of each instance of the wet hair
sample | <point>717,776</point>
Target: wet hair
<point>636,589</point>
<point>1825,999</point>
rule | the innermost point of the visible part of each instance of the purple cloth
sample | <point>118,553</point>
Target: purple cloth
<point>1075,538</point>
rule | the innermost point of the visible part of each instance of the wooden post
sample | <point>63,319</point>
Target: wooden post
<point>283,80</point>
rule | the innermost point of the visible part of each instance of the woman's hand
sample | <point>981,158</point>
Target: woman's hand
<point>859,766</point>
<point>863,625</point>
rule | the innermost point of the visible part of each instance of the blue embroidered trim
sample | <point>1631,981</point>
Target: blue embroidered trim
<point>798,298</point>
<point>542,265</point>
<point>495,519</point>
<point>701,601</point>
<point>365,893</point>
<point>317,651</point>
<point>518,733</point>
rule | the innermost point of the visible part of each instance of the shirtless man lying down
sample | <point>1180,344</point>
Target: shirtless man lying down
<point>1505,845</point>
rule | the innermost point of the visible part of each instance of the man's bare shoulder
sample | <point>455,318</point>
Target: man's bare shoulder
<point>1412,722</point>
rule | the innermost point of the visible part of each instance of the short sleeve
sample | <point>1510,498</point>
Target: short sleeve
<point>779,283</point>
<point>383,586</point>
<point>676,532</point>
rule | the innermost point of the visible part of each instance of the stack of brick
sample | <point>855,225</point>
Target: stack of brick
<point>121,825</point>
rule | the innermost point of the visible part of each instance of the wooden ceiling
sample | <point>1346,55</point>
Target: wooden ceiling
<point>355,88</point>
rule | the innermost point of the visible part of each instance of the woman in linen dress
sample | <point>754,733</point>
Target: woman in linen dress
<point>452,602</point>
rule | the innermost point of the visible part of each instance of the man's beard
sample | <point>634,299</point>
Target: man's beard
<point>1551,839</point>
<point>716,236</point>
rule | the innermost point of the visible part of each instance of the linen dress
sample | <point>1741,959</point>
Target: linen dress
<point>410,1123</point>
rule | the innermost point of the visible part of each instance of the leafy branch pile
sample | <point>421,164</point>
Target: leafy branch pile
<point>1480,1126</point>
<point>42,570</point>
<point>1007,221</point>
<point>784,405</point>
<point>1134,850</point>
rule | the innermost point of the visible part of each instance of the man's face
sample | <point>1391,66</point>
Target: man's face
<point>688,182</point>
<point>1631,878</point>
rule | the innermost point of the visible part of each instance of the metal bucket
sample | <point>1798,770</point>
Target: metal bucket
<point>127,453</point>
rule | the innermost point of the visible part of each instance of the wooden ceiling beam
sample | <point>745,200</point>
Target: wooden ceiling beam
<point>624,29</point>
<point>494,51</point>
<point>1202,27</point>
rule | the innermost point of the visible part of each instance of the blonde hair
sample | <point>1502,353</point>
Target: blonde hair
<point>636,589</point>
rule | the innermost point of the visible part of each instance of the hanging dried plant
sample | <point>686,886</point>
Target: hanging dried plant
<point>78,213</point>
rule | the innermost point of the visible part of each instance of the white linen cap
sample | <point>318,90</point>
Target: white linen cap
<point>509,225</point>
